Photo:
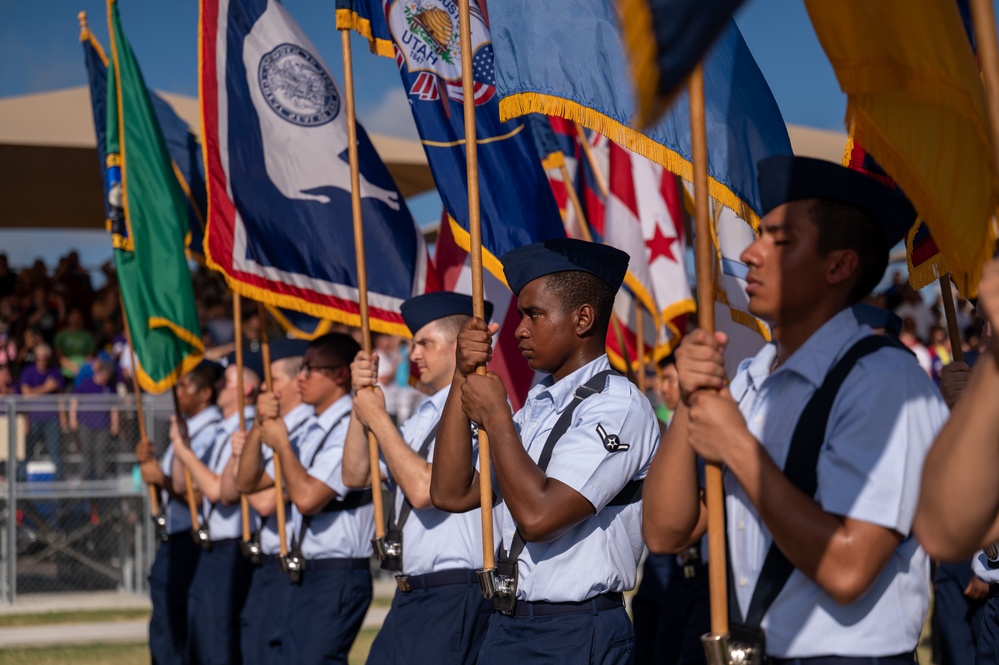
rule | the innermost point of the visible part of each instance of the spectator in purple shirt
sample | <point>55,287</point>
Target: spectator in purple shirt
<point>43,378</point>
<point>95,427</point>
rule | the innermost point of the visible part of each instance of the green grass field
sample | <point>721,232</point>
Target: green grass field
<point>86,616</point>
<point>126,654</point>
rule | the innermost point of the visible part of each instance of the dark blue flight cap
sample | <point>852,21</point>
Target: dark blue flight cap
<point>421,310</point>
<point>252,360</point>
<point>788,178</point>
<point>287,347</point>
<point>525,264</point>
<point>876,317</point>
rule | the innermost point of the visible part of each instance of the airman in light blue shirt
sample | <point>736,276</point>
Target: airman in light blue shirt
<point>858,585</point>
<point>433,553</point>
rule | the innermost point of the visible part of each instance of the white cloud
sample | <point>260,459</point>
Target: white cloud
<point>391,115</point>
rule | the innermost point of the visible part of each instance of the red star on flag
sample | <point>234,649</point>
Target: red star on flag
<point>660,245</point>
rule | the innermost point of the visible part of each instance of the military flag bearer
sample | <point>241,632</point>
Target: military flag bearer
<point>438,611</point>
<point>568,466</point>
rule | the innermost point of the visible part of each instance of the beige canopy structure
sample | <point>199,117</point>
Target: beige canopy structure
<point>50,176</point>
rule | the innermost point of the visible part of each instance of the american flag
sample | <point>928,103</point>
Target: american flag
<point>427,86</point>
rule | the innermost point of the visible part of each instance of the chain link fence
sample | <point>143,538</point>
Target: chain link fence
<point>80,519</point>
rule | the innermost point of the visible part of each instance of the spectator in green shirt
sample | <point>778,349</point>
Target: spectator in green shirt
<point>74,344</point>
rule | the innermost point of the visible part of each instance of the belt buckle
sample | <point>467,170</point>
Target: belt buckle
<point>402,581</point>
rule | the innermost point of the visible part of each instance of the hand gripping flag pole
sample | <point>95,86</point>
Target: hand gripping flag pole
<point>265,351</point>
<point>362,271</point>
<point>717,578</point>
<point>478,293</point>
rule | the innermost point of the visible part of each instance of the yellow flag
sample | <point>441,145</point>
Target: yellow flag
<point>917,101</point>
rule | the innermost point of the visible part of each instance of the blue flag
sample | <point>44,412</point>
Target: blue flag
<point>544,65</point>
<point>517,205</point>
<point>183,146</point>
<point>280,226</point>
<point>665,40</point>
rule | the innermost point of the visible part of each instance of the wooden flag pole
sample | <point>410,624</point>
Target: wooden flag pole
<point>704,255</point>
<point>475,251</point>
<point>237,320</point>
<point>640,345</point>
<point>984,20</point>
<point>192,500</point>
<point>598,175</point>
<point>154,497</point>
<point>362,272</point>
<point>950,313</point>
<point>265,351</point>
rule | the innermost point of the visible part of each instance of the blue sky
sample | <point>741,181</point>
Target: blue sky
<point>39,50</point>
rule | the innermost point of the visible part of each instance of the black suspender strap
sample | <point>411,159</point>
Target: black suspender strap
<point>407,507</point>
<point>350,501</point>
<point>631,492</point>
<point>801,469</point>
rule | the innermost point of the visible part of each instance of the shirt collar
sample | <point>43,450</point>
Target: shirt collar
<point>816,356</point>
<point>561,392</point>
<point>334,411</point>
<point>232,421</point>
<point>203,417</point>
<point>297,415</point>
<point>436,401</point>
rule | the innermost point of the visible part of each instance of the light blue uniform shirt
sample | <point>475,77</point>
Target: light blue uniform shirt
<point>295,421</point>
<point>432,539</point>
<point>226,521</point>
<point>201,430</point>
<point>345,534</point>
<point>601,553</point>
<point>881,426</point>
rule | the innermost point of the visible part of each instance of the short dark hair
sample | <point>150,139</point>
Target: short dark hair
<point>335,349</point>
<point>845,227</point>
<point>208,375</point>
<point>575,288</point>
<point>667,361</point>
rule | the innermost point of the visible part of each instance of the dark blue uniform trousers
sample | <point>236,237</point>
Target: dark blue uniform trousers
<point>218,592</point>
<point>169,582</point>
<point>671,613</point>
<point>324,614</point>
<point>956,618</point>
<point>988,635</point>
<point>601,637</point>
<point>260,630</point>
<point>444,625</point>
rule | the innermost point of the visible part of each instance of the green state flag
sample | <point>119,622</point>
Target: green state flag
<point>149,221</point>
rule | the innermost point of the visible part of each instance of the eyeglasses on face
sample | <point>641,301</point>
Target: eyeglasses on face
<point>309,369</point>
